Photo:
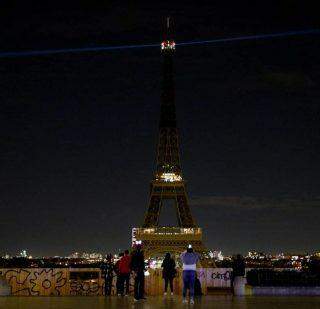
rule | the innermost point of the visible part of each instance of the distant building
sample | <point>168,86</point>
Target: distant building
<point>23,253</point>
<point>256,255</point>
<point>217,255</point>
<point>74,255</point>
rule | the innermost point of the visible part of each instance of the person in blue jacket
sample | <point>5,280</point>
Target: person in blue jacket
<point>189,260</point>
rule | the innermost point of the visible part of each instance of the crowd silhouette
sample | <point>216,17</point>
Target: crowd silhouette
<point>132,266</point>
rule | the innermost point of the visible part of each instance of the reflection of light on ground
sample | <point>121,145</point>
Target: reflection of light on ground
<point>210,301</point>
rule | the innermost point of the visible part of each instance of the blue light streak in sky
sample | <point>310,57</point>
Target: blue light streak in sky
<point>14,54</point>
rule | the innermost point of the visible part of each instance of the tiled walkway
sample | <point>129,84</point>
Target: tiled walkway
<point>217,302</point>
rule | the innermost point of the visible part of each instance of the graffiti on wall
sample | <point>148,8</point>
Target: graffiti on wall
<point>90,281</point>
<point>35,282</point>
<point>85,288</point>
<point>222,276</point>
<point>219,277</point>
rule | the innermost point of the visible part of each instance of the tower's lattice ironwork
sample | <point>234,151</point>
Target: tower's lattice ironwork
<point>168,181</point>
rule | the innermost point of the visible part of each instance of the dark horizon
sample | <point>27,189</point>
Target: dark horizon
<point>79,131</point>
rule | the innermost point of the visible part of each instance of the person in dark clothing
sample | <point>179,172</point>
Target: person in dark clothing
<point>197,287</point>
<point>109,268</point>
<point>168,272</point>
<point>138,268</point>
<point>238,268</point>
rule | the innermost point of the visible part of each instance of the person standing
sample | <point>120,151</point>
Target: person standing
<point>117,271</point>
<point>138,268</point>
<point>238,275</point>
<point>109,268</point>
<point>168,272</point>
<point>124,271</point>
<point>189,260</point>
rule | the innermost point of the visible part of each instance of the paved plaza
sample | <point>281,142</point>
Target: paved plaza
<point>217,302</point>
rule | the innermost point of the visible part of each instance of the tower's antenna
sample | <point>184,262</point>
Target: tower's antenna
<point>168,43</point>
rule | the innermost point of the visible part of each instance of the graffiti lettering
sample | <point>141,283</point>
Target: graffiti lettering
<point>221,276</point>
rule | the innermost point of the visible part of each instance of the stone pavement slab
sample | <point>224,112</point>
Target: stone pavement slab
<point>216,302</point>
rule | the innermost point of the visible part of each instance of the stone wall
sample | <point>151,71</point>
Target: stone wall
<point>90,281</point>
<point>51,282</point>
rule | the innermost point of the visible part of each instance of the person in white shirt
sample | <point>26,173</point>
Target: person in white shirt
<point>189,260</point>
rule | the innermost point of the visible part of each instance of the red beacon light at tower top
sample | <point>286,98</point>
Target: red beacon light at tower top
<point>168,45</point>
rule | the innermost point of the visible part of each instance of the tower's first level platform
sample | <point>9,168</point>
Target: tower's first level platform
<point>159,240</point>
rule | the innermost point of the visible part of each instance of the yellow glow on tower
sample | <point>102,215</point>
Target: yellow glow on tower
<point>170,177</point>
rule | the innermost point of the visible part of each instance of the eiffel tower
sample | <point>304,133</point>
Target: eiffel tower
<point>168,182</point>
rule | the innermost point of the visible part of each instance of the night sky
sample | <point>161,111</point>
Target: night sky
<point>79,131</point>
